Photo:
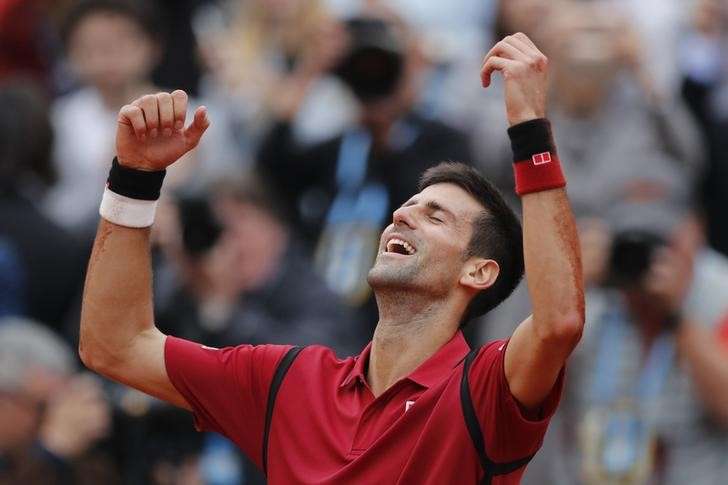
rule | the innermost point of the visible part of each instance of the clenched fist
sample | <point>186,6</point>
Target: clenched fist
<point>524,70</point>
<point>151,133</point>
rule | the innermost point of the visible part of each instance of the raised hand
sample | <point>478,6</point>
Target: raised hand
<point>524,69</point>
<point>151,133</point>
<point>76,418</point>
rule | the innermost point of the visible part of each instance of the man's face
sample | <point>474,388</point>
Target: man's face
<point>424,247</point>
<point>109,50</point>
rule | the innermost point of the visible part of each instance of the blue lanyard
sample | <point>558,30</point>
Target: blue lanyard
<point>357,201</point>
<point>654,374</point>
<point>351,166</point>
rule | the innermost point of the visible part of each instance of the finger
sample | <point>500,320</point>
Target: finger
<point>507,51</point>
<point>495,63</point>
<point>527,49</point>
<point>526,40</point>
<point>166,113</point>
<point>133,116</point>
<point>179,101</point>
<point>199,124</point>
<point>536,58</point>
<point>148,104</point>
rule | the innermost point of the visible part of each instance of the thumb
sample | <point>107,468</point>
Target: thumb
<point>199,124</point>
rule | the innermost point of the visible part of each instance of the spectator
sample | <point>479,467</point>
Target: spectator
<point>705,88</point>
<point>339,192</point>
<point>44,263</point>
<point>250,49</point>
<point>605,111</point>
<point>112,48</point>
<point>646,398</point>
<point>51,419</point>
<point>25,49</point>
<point>244,278</point>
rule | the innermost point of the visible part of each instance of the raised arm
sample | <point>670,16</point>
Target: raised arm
<point>539,347</point>
<point>118,338</point>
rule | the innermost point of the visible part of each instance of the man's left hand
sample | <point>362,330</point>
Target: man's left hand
<point>524,68</point>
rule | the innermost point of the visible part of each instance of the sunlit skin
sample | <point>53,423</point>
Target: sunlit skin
<point>438,223</point>
<point>421,296</point>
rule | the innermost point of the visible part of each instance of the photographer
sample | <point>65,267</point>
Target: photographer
<point>338,193</point>
<point>646,398</point>
<point>52,418</point>
<point>606,104</point>
<point>241,276</point>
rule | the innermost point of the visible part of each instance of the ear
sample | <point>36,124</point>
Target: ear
<point>479,274</point>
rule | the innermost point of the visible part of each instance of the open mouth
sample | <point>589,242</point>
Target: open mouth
<point>400,246</point>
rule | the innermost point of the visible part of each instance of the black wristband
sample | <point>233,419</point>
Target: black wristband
<point>135,184</point>
<point>531,137</point>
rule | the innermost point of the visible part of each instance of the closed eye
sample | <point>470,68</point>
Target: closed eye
<point>436,219</point>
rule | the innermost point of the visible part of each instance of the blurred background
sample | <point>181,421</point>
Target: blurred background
<point>324,113</point>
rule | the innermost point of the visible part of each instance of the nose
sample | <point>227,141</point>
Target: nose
<point>404,216</point>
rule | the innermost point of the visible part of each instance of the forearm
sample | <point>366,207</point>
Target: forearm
<point>708,366</point>
<point>541,344</point>
<point>552,261</point>
<point>117,301</point>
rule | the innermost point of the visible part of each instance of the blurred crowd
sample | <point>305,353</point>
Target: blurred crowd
<point>324,114</point>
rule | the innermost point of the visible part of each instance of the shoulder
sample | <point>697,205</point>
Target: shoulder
<point>323,356</point>
<point>486,363</point>
<point>317,367</point>
<point>490,351</point>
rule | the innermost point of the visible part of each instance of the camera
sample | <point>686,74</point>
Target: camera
<point>631,255</point>
<point>372,68</point>
<point>200,228</point>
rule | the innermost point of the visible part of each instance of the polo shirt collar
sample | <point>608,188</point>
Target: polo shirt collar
<point>428,373</point>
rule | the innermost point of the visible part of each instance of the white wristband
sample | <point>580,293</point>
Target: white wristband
<point>125,211</point>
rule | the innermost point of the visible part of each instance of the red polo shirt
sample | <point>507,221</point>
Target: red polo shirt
<point>328,428</point>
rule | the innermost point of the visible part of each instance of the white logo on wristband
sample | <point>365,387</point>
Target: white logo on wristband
<point>125,211</point>
<point>541,158</point>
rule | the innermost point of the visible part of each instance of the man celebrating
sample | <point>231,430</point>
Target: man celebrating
<point>416,406</point>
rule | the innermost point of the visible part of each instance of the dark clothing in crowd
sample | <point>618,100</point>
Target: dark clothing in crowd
<point>713,188</point>
<point>294,307</point>
<point>50,261</point>
<point>306,177</point>
<point>37,466</point>
<point>340,194</point>
<point>179,65</point>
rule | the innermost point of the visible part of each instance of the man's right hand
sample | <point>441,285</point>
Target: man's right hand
<point>151,133</point>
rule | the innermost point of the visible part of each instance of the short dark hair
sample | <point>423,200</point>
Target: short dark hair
<point>497,232</point>
<point>141,13</point>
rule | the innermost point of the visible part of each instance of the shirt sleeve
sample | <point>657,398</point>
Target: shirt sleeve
<point>508,433</point>
<point>226,388</point>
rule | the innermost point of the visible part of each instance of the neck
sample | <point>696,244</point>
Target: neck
<point>411,329</point>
